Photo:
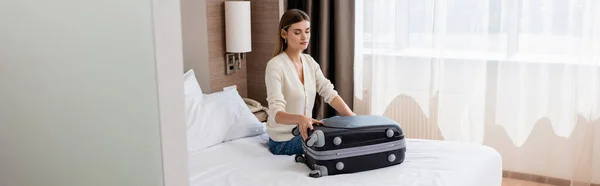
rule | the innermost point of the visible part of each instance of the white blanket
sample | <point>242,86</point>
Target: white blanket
<point>248,162</point>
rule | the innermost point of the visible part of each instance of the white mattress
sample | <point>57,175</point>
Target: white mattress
<point>248,162</point>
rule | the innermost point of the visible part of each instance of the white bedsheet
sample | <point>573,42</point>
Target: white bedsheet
<point>247,162</point>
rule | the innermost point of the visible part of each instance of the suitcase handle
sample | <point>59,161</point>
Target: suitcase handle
<point>312,139</point>
<point>317,138</point>
<point>296,131</point>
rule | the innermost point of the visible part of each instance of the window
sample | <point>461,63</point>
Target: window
<point>552,31</point>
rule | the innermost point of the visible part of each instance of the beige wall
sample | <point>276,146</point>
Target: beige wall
<point>216,51</point>
<point>545,153</point>
<point>265,19</point>
<point>204,45</point>
<point>82,100</point>
<point>596,159</point>
<point>203,25</point>
<point>195,41</point>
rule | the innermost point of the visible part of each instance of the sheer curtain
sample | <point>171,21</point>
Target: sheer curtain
<point>552,66</point>
<point>422,49</point>
<point>471,65</point>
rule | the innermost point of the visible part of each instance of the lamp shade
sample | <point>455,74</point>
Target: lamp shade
<point>237,26</point>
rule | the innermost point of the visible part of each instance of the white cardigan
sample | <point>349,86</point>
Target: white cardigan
<point>285,91</point>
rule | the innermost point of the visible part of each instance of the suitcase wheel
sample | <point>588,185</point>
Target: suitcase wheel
<point>315,174</point>
<point>300,158</point>
<point>392,158</point>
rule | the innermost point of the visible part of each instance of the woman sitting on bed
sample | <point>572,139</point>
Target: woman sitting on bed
<point>293,79</point>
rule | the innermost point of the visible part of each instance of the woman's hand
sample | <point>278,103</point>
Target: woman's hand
<point>305,123</point>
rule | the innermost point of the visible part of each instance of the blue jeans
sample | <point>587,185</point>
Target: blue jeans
<point>291,147</point>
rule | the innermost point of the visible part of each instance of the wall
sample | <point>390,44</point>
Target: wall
<point>545,153</point>
<point>216,51</point>
<point>195,37</point>
<point>204,45</point>
<point>596,159</point>
<point>80,101</point>
<point>265,20</point>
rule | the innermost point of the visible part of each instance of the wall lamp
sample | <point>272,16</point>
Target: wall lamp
<point>237,34</point>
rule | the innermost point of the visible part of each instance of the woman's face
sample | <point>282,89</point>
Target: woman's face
<point>297,35</point>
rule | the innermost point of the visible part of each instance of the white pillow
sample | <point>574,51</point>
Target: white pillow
<point>193,96</point>
<point>191,86</point>
<point>245,123</point>
<point>204,128</point>
<point>221,116</point>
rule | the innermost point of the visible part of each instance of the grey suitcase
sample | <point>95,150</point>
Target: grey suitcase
<point>349,144</point>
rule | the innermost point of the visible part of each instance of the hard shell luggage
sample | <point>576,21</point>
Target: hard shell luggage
<point>348,144</point>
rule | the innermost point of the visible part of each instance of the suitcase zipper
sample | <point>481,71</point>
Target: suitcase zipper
<point>354,151</point>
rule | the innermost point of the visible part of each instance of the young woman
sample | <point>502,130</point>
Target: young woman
<point>293,79</point>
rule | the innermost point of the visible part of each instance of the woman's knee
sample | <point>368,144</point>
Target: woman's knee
<point>275,147</point>
<point>292,147</point>
<point>295,146</point>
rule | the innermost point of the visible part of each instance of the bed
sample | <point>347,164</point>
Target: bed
<point>227,146</point>
<point>247,162</point>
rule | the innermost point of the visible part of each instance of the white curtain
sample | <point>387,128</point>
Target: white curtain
<point>469,64</point>
<point>551,69</point>
<point>422,49</point>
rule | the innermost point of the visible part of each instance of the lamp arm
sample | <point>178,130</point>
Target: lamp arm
<point>239,58</point>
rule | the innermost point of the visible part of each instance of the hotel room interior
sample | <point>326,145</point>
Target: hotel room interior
<point>172,92</point>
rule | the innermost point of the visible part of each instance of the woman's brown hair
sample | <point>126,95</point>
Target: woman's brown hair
<point>289,17</point>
